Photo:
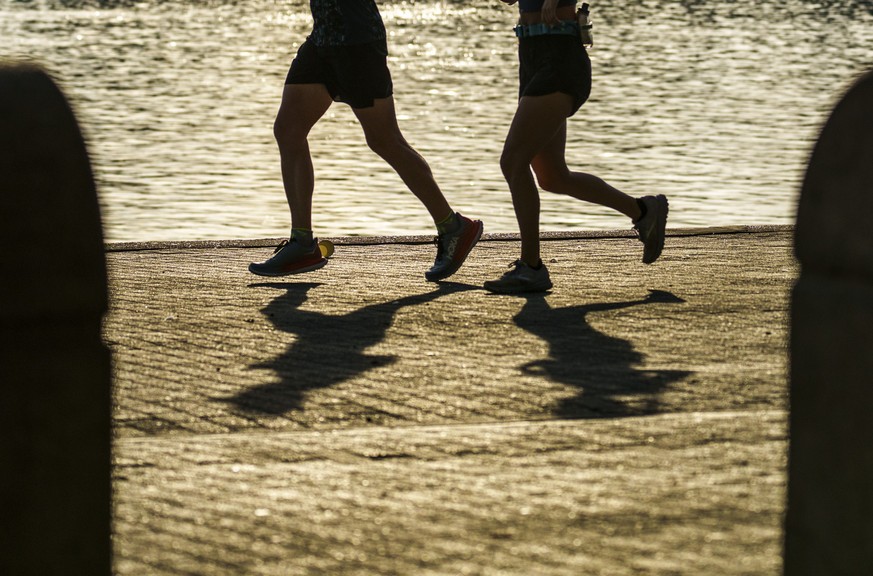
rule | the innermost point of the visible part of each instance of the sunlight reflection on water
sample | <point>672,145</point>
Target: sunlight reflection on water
<point>715,104</point>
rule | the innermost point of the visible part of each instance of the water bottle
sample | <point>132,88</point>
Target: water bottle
<point>584,20</point>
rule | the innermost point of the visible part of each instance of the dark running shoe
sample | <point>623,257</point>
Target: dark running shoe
<point>650,227</point>
<point>521,278</point>
<point>290,257</point>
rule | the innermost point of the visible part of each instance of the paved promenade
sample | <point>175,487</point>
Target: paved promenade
<point>360,420</point>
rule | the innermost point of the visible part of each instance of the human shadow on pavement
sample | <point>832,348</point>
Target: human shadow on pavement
<point>602,367</point>
<point>329,349</point>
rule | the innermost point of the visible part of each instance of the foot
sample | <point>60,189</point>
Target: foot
<point>651,226</point>
<point>290,257</point>
<point>521,278</point>
<point>453,248</point>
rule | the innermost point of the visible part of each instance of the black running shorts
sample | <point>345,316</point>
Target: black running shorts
<point>554,63</point>
<point>355,74</point>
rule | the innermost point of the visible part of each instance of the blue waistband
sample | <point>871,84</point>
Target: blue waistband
<point>565,28</point>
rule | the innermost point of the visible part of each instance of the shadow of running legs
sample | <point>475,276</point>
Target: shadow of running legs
<point>329,349</point>
<point>602,367</point>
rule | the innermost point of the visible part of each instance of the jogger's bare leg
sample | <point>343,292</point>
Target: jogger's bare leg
<point>302,106</point>
<point>385,139</point>
<point>550,167</point>
<point>537,120</point>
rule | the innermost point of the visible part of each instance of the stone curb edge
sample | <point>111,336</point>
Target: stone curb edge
<point>496,237</point>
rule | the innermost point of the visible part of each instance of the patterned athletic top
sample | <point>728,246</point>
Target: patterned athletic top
<point>345,22</point>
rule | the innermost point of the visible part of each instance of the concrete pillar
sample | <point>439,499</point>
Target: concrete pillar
<point>55,400</point>
<point>829,522</point>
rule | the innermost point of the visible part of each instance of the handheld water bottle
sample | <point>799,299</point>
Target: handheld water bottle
<point>583,17</point>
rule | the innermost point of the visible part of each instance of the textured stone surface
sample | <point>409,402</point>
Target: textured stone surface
<point>360,420</point>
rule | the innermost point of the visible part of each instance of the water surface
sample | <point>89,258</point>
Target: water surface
<point>714,103</point>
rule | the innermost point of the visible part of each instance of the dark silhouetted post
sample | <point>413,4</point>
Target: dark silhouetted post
<point>55,406</point>
<point>829,523</point>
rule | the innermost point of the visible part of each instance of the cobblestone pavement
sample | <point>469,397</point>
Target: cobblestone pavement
<point>359,420</point>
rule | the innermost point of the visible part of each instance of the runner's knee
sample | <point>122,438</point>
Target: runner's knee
<point>512,160</point>
<point>384,143</point>
<point>551,180</point>
<point>287,133</point>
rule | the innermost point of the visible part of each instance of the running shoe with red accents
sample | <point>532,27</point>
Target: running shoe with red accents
<point>453,248</point>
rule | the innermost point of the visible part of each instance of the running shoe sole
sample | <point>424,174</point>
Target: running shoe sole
<point>302,269</point>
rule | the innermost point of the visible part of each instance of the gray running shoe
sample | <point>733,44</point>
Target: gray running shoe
<point>290,257</point>
<point>521,278</point>
<point>453,248</point>
<point>651,226</point>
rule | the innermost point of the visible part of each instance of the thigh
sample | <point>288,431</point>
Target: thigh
<point>302,106</point>
<point>551,161</point>
<point>538,124</point>
<point>379,121</point>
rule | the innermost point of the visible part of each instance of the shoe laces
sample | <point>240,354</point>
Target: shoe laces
<point>438,240</point>
<point>641,233</point>
<point>282,244</point>
<point>513,267</point>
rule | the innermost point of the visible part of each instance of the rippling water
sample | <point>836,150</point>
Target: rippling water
<point>715,103</point>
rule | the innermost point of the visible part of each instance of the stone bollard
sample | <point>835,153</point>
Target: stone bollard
<point>829,521</point>
<point>55,404</point>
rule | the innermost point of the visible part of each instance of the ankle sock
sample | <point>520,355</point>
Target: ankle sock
<point>448,224</point>
<point>302,235</point>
